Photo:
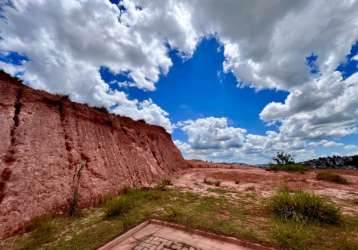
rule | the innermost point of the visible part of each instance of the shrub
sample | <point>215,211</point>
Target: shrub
<point>212,182</point>
<point>302,206</point>
<point>294,167</point>
<point>117,207</point>
<point>332,177</point>
<point>166,182</point>
<point>250,188</point>
<point>163,184</point>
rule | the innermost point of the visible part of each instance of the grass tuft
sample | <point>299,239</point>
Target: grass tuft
<point>118,206</point>
<point>293,236</point>
<point>43,230</point>
<point>162,185</point>
<point>302,206</point>
<point>212,182</point>
<point>331,177</point>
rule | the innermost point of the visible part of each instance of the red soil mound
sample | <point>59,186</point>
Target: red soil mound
<point>50,147</point>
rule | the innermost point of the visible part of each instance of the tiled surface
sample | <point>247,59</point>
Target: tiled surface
<point>162,237</point>
<point>160,243</point>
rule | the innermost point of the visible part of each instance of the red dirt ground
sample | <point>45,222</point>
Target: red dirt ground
<point>241,179</point>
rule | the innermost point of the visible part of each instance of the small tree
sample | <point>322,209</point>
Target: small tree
<point>283,158</point>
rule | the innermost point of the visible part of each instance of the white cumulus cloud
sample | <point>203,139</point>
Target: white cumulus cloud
<point>265,45</point>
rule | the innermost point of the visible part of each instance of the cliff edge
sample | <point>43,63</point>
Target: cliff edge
<point>54,152</point>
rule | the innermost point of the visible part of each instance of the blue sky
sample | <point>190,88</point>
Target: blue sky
<point>198,87</point>
<point>227,86</point>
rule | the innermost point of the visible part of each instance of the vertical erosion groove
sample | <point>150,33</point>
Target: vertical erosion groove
<point>61,109</point>
<point>9,157</point>
<point>78,170</point>
<point>76,184</point>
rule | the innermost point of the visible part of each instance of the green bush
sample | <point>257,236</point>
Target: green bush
<point>332,177</point>
<point>118,206</point>
<point>302,206</point>
<point>293,167</point>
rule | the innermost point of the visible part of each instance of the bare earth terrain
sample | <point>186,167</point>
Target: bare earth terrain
<point>263,183</point>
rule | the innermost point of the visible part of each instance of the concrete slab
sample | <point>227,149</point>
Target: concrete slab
<point>159,235</point>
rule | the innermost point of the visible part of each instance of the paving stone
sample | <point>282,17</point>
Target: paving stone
<point>159,243</point>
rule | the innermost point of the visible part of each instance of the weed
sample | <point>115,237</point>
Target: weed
<point>162,185</point>
<point>117,207</point>
<point>125,190</point>
<point>347,244</point>
<point>302,206</point>
<point>293,236</point>
<point>167,182</point>
<point>250,188</point>
<point>212,182</point>
<point>42,231</point>
<point>332,177</point>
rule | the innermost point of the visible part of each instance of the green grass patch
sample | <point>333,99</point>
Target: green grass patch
<point>292,167</point>
<point>237,216</point>
<point>294,235</point>
<point>332,177</point>
<point>291,235</point>
<point>41,231</point>
<point>303,206</point>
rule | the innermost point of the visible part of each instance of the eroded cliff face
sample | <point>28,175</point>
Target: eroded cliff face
<point>50,147</point>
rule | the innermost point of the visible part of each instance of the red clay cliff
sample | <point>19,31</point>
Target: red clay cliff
<point>50,147</point>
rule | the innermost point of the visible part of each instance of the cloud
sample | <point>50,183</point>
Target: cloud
<point>265,43</point>
<point>327,107</point>
<point>327,144</point>
<point>146,110</point>
<point>212,138</point>
<point>67,42</point>
<point>212,133</point>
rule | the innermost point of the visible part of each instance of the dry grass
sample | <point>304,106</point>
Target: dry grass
<point>332,177</point>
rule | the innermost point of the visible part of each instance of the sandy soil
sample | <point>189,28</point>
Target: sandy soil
<point>242,179</point>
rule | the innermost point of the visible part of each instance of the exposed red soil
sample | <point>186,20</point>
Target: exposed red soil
<point>50,147</point>
<point>244,179</point>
